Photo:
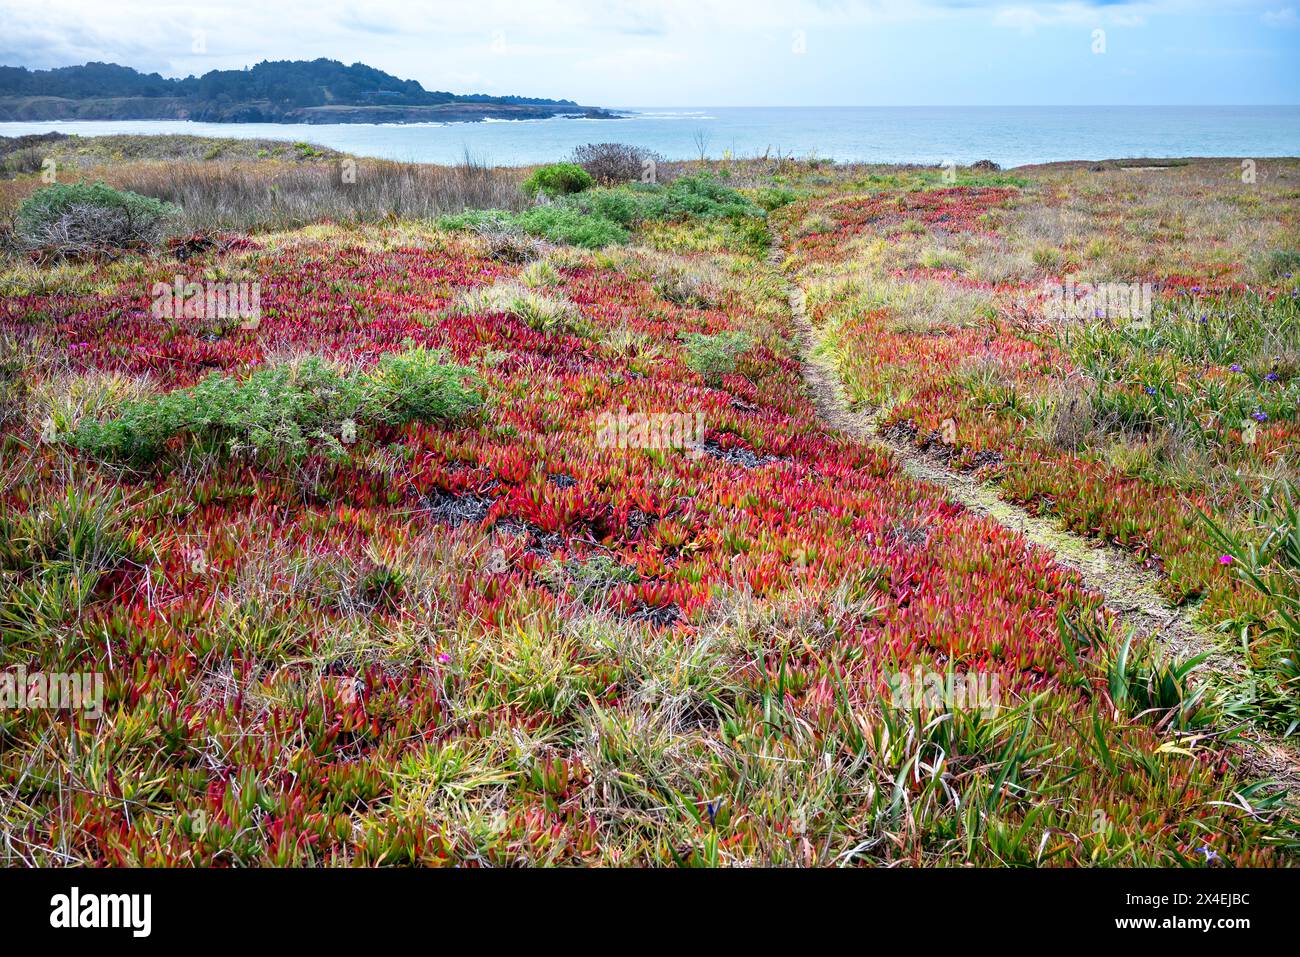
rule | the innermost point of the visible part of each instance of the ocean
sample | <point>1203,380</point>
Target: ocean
<point>1008,135</point>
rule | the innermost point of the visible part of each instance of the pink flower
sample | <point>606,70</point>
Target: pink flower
<point>1225,559</point>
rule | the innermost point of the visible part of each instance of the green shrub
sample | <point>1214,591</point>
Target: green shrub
<point>690,197</point>
<point>714,356</point>
<point>564,224</point>
<point>815,223</point>
<point>774,197</point>
<point>702,195</point>
<point>478,220</point>
<point>558,223</point>
<point>686,286</point>
<point>83,218</point>
<point>622,206</point>
<point>417,385</point>
<point>945,259</point>
<point>749,235</point>
<point>279,414</point>
<point>273,413</point>
<point>601,217</point>
<point>558,179</point>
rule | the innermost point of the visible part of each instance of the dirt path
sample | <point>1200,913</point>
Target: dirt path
<point>1128,589</point>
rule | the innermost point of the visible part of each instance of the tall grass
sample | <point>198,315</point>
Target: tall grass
<point>1267,559</point>
<point>269,195</point>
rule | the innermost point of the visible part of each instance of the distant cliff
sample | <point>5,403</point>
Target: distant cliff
<point>285,91</point>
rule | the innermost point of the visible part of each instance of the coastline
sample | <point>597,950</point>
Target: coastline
<point>1009,136</point>
<point>115,110</point>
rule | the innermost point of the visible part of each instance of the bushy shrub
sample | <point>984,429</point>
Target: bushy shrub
<point>564,224</point>
<point>417,385</point>
<point>704,196</point>
<point>774,197</point>
<point>507,234</point>
<point>279,414</point>
<point>504,239</point>
<point>479,220</point>
<point>689,197</point>
<point>273,413</point>
<point>622,206</point>
<point>946,259</point>
<point>558,179</point>
<point>749,235</point>
<point>601,217</point>
<point>613,163</point>
<point>27,160</point>
<point>714,356</point>
<point>78,219</point>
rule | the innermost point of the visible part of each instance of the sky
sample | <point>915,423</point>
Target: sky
<point>638,53</point>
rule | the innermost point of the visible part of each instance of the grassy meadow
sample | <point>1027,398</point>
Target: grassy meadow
<point>504,530</point>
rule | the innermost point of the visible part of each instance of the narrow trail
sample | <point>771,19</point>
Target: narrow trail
<point>1129,590</point>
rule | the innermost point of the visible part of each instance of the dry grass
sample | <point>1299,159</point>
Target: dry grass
<point>266,195</point>
<point>1117,224</point>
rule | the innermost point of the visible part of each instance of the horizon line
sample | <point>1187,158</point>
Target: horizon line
<point>962,106</point>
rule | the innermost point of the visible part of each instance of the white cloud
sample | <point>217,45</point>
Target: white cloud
<point>615,51</point>
<point>1029,18</point>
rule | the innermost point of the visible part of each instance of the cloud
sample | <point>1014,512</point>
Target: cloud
<point>1285,18</point>
<point>630,51</point>
<point>1110,13</point>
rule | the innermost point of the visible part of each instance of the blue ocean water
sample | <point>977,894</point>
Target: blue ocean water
<point>1010,135</point>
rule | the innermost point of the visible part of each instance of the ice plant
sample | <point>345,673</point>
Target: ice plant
<point>655,648</point>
